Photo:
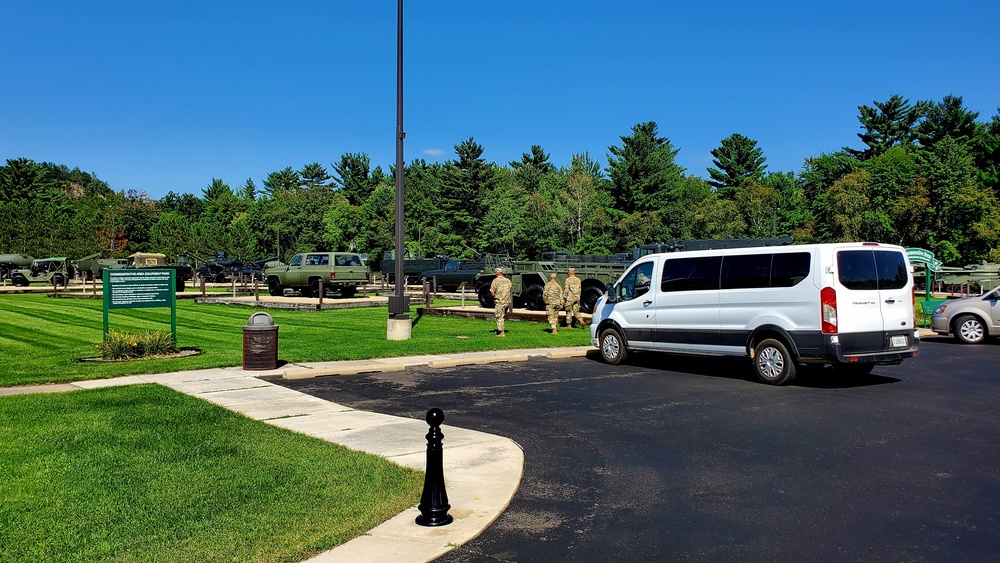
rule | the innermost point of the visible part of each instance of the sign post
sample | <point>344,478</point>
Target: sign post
<point>144,287</point>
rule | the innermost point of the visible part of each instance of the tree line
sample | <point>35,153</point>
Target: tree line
<point>926,175</point>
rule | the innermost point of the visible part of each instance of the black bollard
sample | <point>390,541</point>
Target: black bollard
<point>434,500</point>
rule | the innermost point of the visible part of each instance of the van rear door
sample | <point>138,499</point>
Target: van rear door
<point>873,297</point>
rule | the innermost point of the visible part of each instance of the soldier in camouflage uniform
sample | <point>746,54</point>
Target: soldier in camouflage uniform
<point>500,290</point>
<point>571,295</point>
<point>553,302</point>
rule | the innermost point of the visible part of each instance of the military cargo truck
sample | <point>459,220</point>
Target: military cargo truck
<point>454,273</point>
<point>58,271</point>
<point>339,271</point>
<point>412,266</point>
<point>11,262</point>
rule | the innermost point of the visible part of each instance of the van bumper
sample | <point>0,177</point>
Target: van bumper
<point>841,353</point>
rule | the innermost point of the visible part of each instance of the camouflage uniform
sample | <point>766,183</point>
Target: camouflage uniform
<point>571,294</point>
<point>500,289</point>
<point>553,302</point>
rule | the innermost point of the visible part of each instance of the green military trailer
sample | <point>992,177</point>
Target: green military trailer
<point>58,271</point>
<point>11,262</point>
<point>338,271</point>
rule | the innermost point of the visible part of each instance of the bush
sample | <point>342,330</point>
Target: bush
<point>121,345</point>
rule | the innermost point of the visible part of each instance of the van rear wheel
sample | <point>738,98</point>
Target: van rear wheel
<point>612,347</point>
<point>773,363</point>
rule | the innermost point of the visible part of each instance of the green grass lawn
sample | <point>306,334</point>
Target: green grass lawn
<point>42,338</point>
<point>143,473</point>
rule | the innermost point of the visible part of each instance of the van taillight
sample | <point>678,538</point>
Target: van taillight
<point>828,308</point>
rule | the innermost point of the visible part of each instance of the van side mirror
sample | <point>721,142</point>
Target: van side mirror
<point>614,293</point>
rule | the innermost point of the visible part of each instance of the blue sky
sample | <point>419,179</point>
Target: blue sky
<point>167,96</point>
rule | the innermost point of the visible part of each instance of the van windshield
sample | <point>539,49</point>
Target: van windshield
<point>872,269</point>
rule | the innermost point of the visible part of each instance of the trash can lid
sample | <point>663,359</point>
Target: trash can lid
<point>260,321</point>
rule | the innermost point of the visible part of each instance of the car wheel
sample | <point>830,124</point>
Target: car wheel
<point>773,363</point>
<point>59,280</point>
<point>612,347</point>
<point>20,281</point>
<point>485,298</point>
<point>274,288</point>
<point>589,299</point>
<point>969,329</point>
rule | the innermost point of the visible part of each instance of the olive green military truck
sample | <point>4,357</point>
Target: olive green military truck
<point>93,266</point>
<point>339,271</point>
<point>58,271</point>
<point>159,261</point>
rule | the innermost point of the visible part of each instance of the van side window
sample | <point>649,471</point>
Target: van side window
<point>691,274</point>
<point>636,282</point>
<point>788,270</point>
<point>744,271</point>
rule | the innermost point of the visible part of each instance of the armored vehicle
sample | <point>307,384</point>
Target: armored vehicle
<point>159,261</point>
<point>11,262</point>
<point>528,278</point>
<point>90,267</point>
<point>455,273</point>
<point>56,271</point>
<point>339,271</point>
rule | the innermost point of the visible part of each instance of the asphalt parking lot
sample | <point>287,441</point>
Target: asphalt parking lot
<point>671,458</point>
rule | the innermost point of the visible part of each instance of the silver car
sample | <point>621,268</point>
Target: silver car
<point>970,319</point>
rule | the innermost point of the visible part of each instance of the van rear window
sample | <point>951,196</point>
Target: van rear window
<point>872,269</point>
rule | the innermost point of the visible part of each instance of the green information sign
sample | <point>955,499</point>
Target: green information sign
<point>143,287</point>
<point>931,264</point>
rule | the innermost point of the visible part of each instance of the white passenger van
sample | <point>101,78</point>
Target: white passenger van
<point>845,304</point>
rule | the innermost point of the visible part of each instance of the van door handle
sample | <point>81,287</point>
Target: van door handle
<point>647,302</point>
<point>890,301</point>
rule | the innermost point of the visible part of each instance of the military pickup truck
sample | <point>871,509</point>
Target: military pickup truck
<point>455,273</point>
<point>56,271</point>
<point>339,271</point>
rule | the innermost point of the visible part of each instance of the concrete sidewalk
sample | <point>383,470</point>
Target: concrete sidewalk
<point>482,471</point>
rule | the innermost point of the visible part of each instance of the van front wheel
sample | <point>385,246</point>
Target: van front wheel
<point>612,347</point>
<point>773,363</point>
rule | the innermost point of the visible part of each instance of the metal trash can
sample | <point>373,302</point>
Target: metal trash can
<point>260,343</point>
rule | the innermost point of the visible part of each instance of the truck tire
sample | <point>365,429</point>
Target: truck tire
<point>533,299</point>
<point>59,280</point>
<point>20,281</point>
<point>314,290</point>
<point>274,288</point>
<point>588,299</point>
<point>485,299</point>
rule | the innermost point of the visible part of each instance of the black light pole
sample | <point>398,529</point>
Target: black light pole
<point>399,305</point>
